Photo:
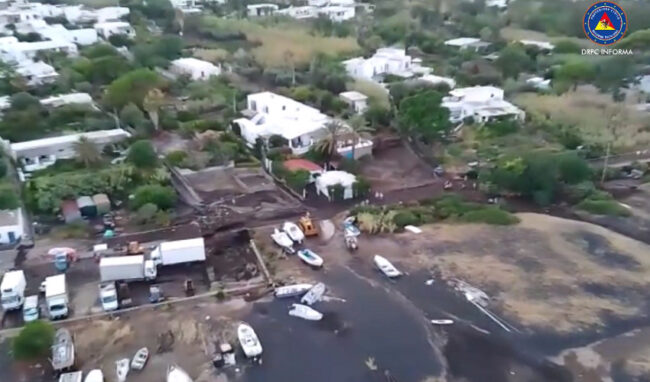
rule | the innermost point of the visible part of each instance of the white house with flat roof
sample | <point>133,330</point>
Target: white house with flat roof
<point>11,226</point>
<point>542,45</point>
<point>263,9</point>
<point>463,43</point>
<point>303,12</point>
<point>356,100</point>
<point>337,13</point>
<point>68,99</point>
<point>110,28</point>
<point>41,153</point>
<point>21,51</point>
<point>437,80</point>
<point>385,61</point>
<point>195,68</point>
<point>36,72</point>
<point>301,125</point>
<point>480,103</point>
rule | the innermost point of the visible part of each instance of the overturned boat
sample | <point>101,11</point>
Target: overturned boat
<point>293,232</point>
<point>310,257</point>
<point>248,340</point>
<point>176,374</point>
<point>314,294</point>
<point>140,359</point>
<point>305,312</point>
<point>386,267</point>
<point>122,368</point>
<point>292,290</point>
<point>283,240</point>
<point>95,375</point>
<point>63,353</point>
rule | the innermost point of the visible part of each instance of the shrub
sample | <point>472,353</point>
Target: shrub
<point>33,341</point>
<point>162,196</point>
<point>404,218</point>
<point>146,213</point>
<point>142,155</point>
<point>361,187</point>
<point>490,215</point>
<point>336,192</point>
<point>175,158</point>
<point>3,168</point>
<point>349,165</point>
<point>8,198</point>
<point>603,207</point>
<point>298,179</point>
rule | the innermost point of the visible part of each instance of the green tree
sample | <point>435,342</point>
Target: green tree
<point>162,196</point>
<point>360,129</point>
<point>422,116</point>
<point>566,46</point>
<point>574,72</point>
<point>23,101</point>
<point>34,341</point>
<point>297,179</point>
<point>87,152</point>
<point>152,103</point>
<point>8,198</point>
<point>514,60</point>
<point>132,115</point>
<point>573,169</point>
<point>143,155</point>
<point>131,87</point>
<point>639,40</point>
<point>329,143</point>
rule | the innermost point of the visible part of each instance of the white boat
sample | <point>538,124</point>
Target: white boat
<point>292,290</point>
<point>122,369</point>
<point>95,375</point>
<point>140,359</point>
<point>314,295</point>
<point>412,229</point>
<point>176,374</point>
<point>282,239</point>
<point>386,267</point>
<point>63,352</point>
<point>293,231</point>
<point>351,230</point>
<point>311,258</point>
<point>305,312</point>
<point>249,342</point>
<point>442,322</point>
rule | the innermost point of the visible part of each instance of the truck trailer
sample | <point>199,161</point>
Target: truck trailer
<point>56,296</point>
<point>179,251</point>
<point>126,268</point>
<point>12,290</point>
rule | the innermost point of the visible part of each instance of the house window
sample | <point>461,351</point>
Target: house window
<point>284,108</point>
<point>266,109</point>
<point>254,105</point>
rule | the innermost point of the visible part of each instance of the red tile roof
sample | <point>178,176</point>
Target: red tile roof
<point>301,164</point>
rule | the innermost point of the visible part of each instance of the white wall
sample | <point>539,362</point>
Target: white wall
<point>16,229</point>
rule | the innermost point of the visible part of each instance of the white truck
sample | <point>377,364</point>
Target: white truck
<point>179,251</point>
<point>56,296</point>
<point>126,268</point>
<point>12,290</point>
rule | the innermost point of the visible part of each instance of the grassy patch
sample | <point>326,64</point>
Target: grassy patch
<point>603,207</point>
<point>590,113</point>
<point>490,215</point>
<point>276,39</point>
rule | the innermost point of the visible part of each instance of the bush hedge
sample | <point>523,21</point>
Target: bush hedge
<point>603,207</point>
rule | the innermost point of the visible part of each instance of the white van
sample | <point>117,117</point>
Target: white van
<point>31,310</point>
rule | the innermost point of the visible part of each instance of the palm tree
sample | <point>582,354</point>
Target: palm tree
<point>360,129</point>
<point>87,152</point>
<point>329,143</point>
<point>152,103</point>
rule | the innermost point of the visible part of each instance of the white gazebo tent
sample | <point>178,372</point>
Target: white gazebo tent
<point>332,178</point>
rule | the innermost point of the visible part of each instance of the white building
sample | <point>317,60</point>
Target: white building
<point>480,103</point>
<point>357,101</point>
<point>301,125</point>
<point>437,80</point>
<point>37,72</point>
<point>305,12</point>
<point>106,14</point>
<point>86,36</point>
<point>265,9</point>
<point>21,51</point>
<point>11,226</point>
<point>463,43</point>
<point>393,61</point>
<point>41,153</point>
<point>335,10</point>
<point>332,178</point>
<point>110,28</point>
<point>542,45</point>
<point>337,13</point>
<point>539,83</point>
<point>195,68</point>
<point>501,4</point>
<point>68,99</point>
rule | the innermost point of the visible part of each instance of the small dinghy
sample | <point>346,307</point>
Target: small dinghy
<point>386,267</point>
<point>293,231</point>
<point>95,376</point>
<point>442,322</point>
<point>283,240</point>
<point>292,290</point>
<point>249,342</point>
<point>350,228</point>
<point>314,295</point>
<point>305,312</point>
<point>310,257</point>
<point>140,359</point>
<point>176,374</point>
<point>122,369</point>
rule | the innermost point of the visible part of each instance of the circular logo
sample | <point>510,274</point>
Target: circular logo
<point>605,23</point>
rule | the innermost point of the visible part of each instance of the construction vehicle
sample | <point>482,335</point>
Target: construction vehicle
<point>307,225</point>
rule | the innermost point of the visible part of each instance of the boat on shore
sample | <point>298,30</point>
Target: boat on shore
<point>122,367</point>
<point>95,375</point>
<point>305,312</point>
<point>140,359</point>
<point>314,294</point>
<point>63,352</point>
<point>283,240</point>
<point>442,322</point>
<point>293,232</point>
<point>292,290</point>
<point>310,258</point>
<point>248,340</point>
<point>176,374</point>
<point>386,267</point>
